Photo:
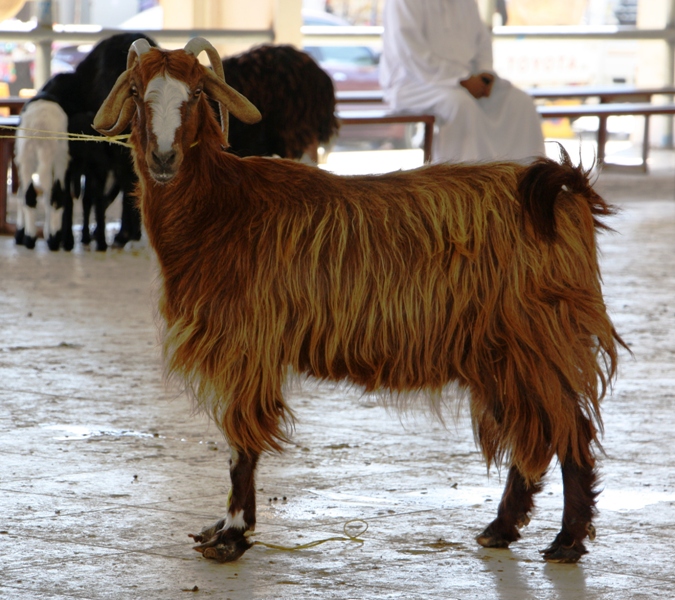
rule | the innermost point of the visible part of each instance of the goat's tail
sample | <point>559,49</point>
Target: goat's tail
<point>541,183</point>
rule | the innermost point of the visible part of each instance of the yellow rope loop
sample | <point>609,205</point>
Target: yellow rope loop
<point>347,538</point>
<point>58,135</point>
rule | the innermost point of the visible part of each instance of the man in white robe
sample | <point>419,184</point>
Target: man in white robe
<point>437,58</point>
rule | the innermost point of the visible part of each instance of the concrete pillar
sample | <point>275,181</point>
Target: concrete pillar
<point>655,60</point>
<point>287,22</point>
<point>43,50</point>
<point>283,16</point>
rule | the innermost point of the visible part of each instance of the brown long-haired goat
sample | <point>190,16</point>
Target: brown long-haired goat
<point>484,275</point>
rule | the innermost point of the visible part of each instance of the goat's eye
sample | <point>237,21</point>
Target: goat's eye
<point>134,90</point>
<point>197,92</point>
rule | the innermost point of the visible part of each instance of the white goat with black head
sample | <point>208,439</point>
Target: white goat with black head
<point>481,275</point>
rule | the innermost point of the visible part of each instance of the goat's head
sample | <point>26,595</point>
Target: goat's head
<point>165,91</point>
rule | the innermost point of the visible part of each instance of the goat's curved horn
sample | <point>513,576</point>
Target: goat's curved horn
<point>137,48</point>
<point>198,45</point>
<point>216,87</point>
<point>231,99</point>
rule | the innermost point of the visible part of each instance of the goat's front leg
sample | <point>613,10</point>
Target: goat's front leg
<point>130,229</point>
<point>99,211</point>
<point>67,238</point>
<point>226,540</point>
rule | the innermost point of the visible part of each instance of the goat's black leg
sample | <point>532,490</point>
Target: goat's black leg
<point>28,229</point>
<point>226,540</point>
<point>130,229</point>
<point>513,512</point>
<point>579,491</point>
<point>67,240</point>
<point>56,215</point>
<point>99,212</point>
<point>86,211</point>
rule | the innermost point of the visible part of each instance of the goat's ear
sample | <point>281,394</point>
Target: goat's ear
<point>117,109</point>
<point>231,99</point>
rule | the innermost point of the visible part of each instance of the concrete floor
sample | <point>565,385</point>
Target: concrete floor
<point>105,470</point>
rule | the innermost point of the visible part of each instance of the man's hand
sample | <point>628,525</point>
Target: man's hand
<point>479,86</point>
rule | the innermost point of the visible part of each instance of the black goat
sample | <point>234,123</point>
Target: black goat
<point>294,95</point>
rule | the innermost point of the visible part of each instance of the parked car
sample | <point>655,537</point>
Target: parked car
<point>66,58</point>
<point>350,67</point>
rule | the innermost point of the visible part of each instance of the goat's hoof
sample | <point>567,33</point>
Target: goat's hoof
<point>101,246</point>
<point>68,243</point>
<point>54,242</point>
<point>224,545</point>
<point>558,553</point>
<point>208,532</point>
<point>19,236</point>
<point>120,240</point>
<point>29,242</point>
<point>492,537</point>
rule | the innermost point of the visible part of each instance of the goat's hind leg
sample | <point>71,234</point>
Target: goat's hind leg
<point>26,233</point>
<point>226,540</point>
<point>513,513</point>
<point>579,491</point>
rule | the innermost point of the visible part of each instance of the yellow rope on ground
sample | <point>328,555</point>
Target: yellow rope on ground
<point>347,538</point>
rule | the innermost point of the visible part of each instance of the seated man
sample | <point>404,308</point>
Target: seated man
<point>437,58</point>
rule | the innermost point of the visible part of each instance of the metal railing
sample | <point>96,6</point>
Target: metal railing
<point>93,34</point>
<point>44,36</point>
<point>366,34</point>
<point>315,35</point>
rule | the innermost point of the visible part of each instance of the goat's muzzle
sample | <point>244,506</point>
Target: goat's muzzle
<point>163,166</point>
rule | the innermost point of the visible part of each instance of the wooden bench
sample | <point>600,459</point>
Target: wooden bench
<point>618,100</point>
<point>615,100</point>
<point>605,94</point>
<point>6,155</point>
<point>380,116</point>
<point>603,111</point>
<point>13,103</point>
<point>359,96</point>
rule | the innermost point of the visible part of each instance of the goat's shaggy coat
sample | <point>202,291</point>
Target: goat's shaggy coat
<point>484,275</point>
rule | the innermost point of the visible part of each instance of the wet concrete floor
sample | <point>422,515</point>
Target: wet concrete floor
<point>105,470</point>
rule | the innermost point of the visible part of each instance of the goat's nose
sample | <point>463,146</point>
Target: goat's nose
<point>164,159</point>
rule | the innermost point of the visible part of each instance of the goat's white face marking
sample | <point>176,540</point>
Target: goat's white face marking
<point>165,95</point>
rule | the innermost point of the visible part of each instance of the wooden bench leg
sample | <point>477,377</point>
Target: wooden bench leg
<point>645,144</point>
<point>6,146</point>
<point>602,140</point>
<point>428,140</point>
